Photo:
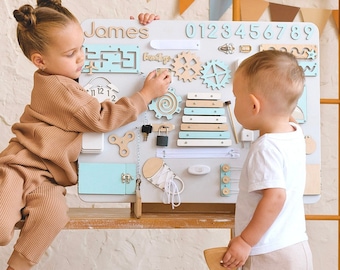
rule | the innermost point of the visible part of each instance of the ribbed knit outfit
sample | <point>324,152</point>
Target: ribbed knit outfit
<point>42,159</point>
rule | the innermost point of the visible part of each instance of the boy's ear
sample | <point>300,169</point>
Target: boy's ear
<point>38,60</point>
<point>256,104</point>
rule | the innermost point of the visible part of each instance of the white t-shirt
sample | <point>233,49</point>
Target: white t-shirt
<point>275,160</point>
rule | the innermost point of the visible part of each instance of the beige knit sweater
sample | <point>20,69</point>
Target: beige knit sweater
<point>48,136</point>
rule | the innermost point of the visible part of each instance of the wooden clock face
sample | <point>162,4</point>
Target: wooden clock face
<point>102,93</point>
<point>102,89</point>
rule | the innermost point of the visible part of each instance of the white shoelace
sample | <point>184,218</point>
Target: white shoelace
<point>171,193</point>
<point>164,179</point>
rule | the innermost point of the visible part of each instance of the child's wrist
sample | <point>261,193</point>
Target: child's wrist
<point>145,96</point>
<point>244,240</point>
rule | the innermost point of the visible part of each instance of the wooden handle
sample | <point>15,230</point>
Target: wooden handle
<point>213,257</point>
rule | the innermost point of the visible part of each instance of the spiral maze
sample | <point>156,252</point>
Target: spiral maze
<point>166,105</point>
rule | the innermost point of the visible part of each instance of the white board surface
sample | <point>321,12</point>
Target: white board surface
<point>202,57</point>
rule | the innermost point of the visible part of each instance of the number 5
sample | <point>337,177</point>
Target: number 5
<point>254,32</point>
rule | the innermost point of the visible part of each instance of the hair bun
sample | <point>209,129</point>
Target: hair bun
<point>55,4</point>
<point>25,16</point>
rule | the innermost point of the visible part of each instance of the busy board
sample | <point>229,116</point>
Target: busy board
<point>188,146</point>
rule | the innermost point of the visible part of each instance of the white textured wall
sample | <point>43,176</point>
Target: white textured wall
<point>163,249</point>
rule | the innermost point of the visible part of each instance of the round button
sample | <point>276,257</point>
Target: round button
<point>225,179</point>
<point>225,191</point>
<point>225,167</point>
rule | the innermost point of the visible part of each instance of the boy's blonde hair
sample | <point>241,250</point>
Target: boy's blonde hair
<point>35,25</point>
<point>276,77</point>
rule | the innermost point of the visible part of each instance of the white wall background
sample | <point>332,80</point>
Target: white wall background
<point>164,249</point>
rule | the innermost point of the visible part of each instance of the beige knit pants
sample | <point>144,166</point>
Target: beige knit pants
<point>29,192</point>
<point>295,257</point>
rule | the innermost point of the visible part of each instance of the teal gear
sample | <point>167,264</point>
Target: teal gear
<point>215,74</point>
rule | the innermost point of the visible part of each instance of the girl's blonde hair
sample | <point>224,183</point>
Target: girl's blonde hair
<point>36,25</point>
<point>276,76</point>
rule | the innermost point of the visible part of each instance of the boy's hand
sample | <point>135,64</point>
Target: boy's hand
<point>236,254</point>
<point>146,18</point>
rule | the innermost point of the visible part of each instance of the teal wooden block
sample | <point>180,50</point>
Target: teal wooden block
<point>204,135</point>
<point>301,109</point>
<point>311,69</point>
<point>225,178</point>
<point>204,111</point>
<point>130,169</point>
<point>106,178</point>
<point>111,58</point>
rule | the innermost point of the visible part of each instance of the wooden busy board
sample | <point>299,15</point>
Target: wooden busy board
<point>195,139</point>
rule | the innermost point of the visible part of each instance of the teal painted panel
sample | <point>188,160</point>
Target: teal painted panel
<point>204,135</point>
<point>130,188</point>
<point>302,107</point>
<point>101,178</point>
<point>224,184</point>
<point>204,111</point>
<point>311,69</point>
<point>110,58</point>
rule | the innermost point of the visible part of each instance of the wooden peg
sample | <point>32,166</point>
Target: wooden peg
<point>163,126</point>
<point>232,121</point>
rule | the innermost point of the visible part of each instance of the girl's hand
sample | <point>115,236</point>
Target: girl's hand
<point>155,85</point>
<point>146,18</point>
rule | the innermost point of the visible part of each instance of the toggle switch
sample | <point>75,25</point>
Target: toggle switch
<point>199,169</point>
